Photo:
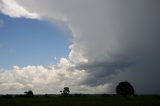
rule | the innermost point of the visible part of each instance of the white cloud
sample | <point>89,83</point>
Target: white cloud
<point>42,79</point>
<point>13,9</point>
<point>55,58</point>
<point>77,57</point>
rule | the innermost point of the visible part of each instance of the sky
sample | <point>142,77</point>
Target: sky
<point>88,45</point>
<point>31,42</point>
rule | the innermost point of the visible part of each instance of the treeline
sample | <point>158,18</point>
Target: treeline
<point>123,89</point>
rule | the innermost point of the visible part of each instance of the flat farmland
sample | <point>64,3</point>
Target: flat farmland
<point>82,101</point>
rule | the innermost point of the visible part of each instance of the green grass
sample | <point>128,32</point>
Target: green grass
<point>83,101</point>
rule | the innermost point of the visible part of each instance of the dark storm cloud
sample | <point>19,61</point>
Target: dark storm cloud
<point>136,26</point>
<point>100,72</point>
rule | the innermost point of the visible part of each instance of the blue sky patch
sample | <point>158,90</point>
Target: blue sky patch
<point>31,42</point>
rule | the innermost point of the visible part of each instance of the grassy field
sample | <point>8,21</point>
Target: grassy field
<point>82,101</point>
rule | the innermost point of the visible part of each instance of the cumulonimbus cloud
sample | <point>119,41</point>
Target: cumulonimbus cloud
<point>112,40</point>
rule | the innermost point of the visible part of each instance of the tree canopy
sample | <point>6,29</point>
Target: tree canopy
<point>124,88</point>
<point>29,93</point>
<point>65,91</point>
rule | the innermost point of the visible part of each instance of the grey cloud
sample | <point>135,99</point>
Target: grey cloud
<point>101,72</point>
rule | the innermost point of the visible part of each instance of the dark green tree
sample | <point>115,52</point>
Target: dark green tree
<point>29,93</point>
<point>65,91</point>
<point>124,89</point>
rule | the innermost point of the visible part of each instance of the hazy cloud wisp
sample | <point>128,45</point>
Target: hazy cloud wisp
<point>13,9</point>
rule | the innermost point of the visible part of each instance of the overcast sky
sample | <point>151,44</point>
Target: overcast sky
<point>95,45</point>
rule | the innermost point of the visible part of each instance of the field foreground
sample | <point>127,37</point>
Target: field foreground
<point>82,101</point>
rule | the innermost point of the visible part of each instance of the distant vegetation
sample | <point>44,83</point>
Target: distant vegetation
<point>29,93</point>
<point>125,97</point>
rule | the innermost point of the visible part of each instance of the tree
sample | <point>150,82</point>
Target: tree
<point>29,93</point>
<point>124,89</point>
<point>65,91</point>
